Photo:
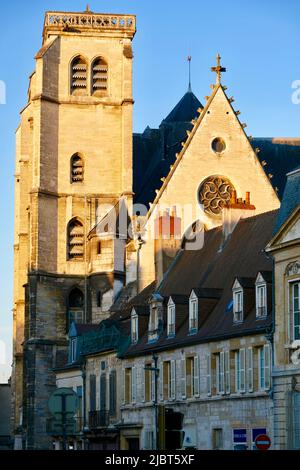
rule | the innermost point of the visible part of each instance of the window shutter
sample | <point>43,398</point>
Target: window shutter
<point>250,369</point>
<point>143,373</point>
<point>173,380</point>
<point>216,357</point>
<point>113,392</point>
<point>267,353</point>
<point>133,383</point>
<point>103,392</point>
<point>208,374</point>
<point>161,380</point>
<point>242,370</point>
<point>222,374</point>
<point>227,372</point>
<point>196,376</point>
<point>92,392</point>
<point>123,386</point>
<point>183,378</point>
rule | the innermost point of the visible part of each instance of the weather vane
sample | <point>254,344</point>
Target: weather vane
<point>218,69</point>
<point>189,61</point>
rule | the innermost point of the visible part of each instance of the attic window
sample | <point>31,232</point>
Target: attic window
<point>218,145</point>
<point>261,300</point>
<point>99,76</point>
<point>193,315</point>
<point>78,76</point>
<point>171,319</point>
<point>238,306</point>
<point>73,351</point>
<point>134,327</point>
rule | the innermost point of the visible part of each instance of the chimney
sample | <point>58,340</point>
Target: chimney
<point>167,241</point>
<point>235,210</point>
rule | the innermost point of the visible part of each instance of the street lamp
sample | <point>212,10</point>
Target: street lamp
<point>155,370</point>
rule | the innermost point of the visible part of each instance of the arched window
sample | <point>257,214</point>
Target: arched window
<point>75,307</point>
<point>99,77</point>
<point>77,169</point>
<point>75,240</point>
<point>78,76</point>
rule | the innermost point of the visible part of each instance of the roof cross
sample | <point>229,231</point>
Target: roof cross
<point>218,69</point>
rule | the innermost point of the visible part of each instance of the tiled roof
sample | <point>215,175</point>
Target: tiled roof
<point>291,198</point>
<point>213,271</point>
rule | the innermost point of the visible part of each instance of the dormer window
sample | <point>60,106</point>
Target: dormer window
<point>193,313</point>
<point>238,302</point>
<point>171,318</point>
<point>261,296</point>
<point>134,327</point>
<point>73,349</point>
<point>155,320</point>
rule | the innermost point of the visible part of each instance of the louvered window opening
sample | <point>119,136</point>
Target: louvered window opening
<point>79,76</point>
<point>77,170</point>
<point>100,74</point>
<point>76,240</point>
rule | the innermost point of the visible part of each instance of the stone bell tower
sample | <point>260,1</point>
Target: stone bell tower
<point>74,155</point>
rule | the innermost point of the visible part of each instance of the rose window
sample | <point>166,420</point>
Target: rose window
<point>214,193</point>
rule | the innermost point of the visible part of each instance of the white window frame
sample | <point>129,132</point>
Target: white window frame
<point>153,324</point>
<point>220,373</point>
<point>171,324</point>
<point>240,370</point>
<point>264,367</point>
<point>292,328</point>
<point>193,314</point>
<point>73,349</point>
<point>261,310</point>
<point>134,327</point>
<point>238,305</point>
<point>249,365</point>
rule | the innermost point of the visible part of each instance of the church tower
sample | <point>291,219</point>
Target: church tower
<point>74,155</point>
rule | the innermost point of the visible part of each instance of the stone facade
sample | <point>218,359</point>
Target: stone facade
<point>57,124</point>
<point>251,409</point>
<point>285,249</point>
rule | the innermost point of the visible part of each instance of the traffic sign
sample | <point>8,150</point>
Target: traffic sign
<point>63,400</point>
<point>263,442</point>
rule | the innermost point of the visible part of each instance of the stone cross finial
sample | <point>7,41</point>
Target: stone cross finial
<point>218,69</point>
<point>88,10</point>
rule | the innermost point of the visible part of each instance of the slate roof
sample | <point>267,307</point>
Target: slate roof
<point>291,198</point>
<point>155,150</point>
<point>213,271</point>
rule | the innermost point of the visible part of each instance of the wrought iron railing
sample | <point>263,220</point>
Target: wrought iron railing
<point>98,419</point>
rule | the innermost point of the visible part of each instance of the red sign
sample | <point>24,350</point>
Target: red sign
<point>263,442</point>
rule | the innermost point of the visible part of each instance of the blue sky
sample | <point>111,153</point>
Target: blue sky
<point>258,42</point>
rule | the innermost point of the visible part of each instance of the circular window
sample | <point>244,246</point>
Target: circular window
<point>214,193</point>
<point>218,145</point>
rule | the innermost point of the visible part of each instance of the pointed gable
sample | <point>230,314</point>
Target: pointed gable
<point>198,160</point>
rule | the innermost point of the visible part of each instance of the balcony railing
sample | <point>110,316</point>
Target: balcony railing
<point>73,426</point>
<point>88,20</point>
<point>98,419</point>
<point>261,311</point>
